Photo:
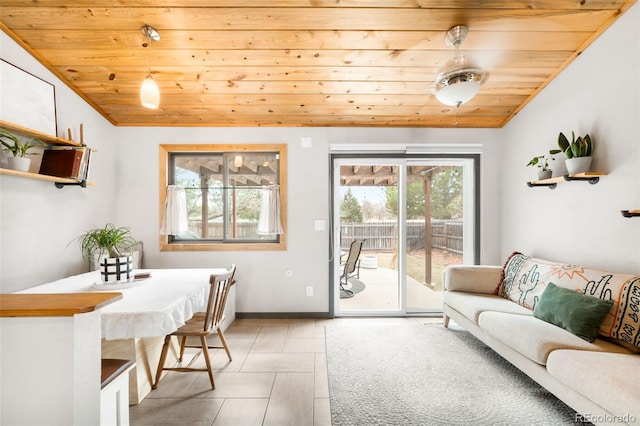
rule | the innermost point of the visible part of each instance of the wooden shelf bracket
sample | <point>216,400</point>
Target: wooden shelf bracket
<point>630,213</point>
<point>591,179</point>
<point>540,183</point>
<point>60,185</point>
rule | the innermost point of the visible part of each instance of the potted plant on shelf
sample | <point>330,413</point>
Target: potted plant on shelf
<point>542,162</point>
<point>19,149</point>
<point>109,249</point>
<point>578,152</point>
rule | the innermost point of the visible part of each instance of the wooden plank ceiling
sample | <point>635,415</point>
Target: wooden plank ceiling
<point>303,62</point>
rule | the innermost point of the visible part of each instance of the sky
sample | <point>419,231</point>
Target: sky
<point>374,194</point>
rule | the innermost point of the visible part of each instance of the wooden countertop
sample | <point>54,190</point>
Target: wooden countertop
<point>53,305</point>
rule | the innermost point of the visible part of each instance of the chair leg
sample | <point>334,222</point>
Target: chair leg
<point>205,352</point>
<point>183,344</point>
<point>224,343</point>
<point>163,359</point>
<point>344,293</point>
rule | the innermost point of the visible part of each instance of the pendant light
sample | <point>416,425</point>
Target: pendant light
<point>149,92</point>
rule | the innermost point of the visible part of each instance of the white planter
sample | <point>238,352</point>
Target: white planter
<point>136,257</point>
<point>544,174</point>
<point>578,165</point>
<point>116,269</point>
<point>20,164</point>
<point>369,262</point>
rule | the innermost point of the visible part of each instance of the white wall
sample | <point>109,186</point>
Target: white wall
<point>37,220</point>
<point>262,283</point>
<point>580,223</point>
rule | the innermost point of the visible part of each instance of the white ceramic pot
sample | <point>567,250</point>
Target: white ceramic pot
<point>544,174</point>
<point>578,165</point>
<point>20,164</point>
<point>116,269</point>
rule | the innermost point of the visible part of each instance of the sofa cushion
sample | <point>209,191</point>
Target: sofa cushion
<point>536,339</point>
<point>577,313</point>
<point>525,278</point>
<point>472,304</point>
<point>472,278</point>
<point>615,387</point>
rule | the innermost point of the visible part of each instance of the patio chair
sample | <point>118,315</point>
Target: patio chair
<point>202,325</point>
<point>351,267</point>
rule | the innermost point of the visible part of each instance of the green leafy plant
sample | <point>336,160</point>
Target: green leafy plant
<point>114,241</point>
<point>580,147</point>
<point>542,161</point>
<point>18,148</point>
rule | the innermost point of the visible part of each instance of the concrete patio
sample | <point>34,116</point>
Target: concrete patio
<point>381,294</point>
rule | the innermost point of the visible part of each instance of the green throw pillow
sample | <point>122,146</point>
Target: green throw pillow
<point>577,313</point>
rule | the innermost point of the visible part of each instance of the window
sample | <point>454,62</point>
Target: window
<point>224,187</point>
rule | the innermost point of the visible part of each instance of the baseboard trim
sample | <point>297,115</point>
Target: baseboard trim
<point>282,315</point>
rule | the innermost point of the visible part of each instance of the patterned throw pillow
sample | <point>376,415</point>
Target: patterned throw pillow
<point>525,278</point>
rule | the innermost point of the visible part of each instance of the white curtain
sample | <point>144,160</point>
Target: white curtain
<point>174,221</point>
<point>269,220</point>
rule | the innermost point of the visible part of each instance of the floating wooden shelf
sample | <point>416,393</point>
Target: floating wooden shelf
<point>58,181</point>
<point>551,183</point>
<point>47,140</point>
<point>44,137</point>
<point>630,213</point>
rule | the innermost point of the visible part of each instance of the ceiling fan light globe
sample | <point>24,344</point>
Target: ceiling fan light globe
<point>458,93</point>
<point>149,93</point>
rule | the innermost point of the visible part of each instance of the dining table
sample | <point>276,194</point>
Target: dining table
<point>155,303</point>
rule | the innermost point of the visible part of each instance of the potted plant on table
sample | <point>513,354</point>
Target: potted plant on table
<point>578,152</point>
<point>18,149</point>
<point>542,162</point>
<point>109,249</point>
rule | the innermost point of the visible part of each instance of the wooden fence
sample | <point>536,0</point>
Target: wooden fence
<point>382,236</point>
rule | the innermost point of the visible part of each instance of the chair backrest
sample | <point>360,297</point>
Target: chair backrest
<point>352,257</point>
<point>218,292</point>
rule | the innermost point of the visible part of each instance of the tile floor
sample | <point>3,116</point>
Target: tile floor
<point>278,376</point>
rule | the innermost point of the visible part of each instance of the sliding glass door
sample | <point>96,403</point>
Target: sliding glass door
<point>413,216</point>
<point>366,211</point>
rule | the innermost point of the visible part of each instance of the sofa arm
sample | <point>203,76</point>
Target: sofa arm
<point>472,278</point>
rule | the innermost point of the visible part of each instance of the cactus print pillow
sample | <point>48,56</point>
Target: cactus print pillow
<point>525,278</point>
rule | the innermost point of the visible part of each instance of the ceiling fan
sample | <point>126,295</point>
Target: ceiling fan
<point>460,78</point>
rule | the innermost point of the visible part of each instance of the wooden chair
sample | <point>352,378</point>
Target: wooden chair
<point>201,325</point>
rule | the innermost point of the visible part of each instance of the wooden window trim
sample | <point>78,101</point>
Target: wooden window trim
<point>167,149</point>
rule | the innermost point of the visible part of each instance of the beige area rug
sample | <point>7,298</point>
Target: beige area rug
<point>428,375</point>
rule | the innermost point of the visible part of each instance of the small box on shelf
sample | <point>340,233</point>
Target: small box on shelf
<point>66,162</point>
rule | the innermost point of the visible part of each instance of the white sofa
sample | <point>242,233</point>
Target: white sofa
<point>599,380</point>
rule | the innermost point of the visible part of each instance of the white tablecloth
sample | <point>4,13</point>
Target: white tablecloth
<point>158,306</point>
